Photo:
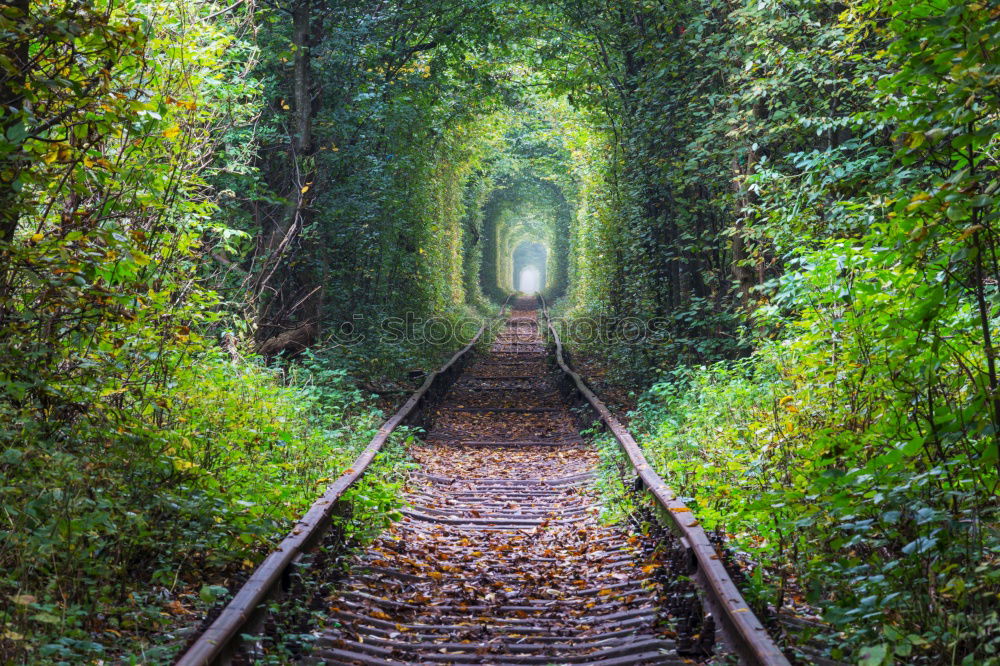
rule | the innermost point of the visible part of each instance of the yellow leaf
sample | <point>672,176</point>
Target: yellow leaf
<point>968,231</point>
<point>784,401</point>
<point>181,465</point>
<point>172,132</point>
<point>680,509</point>
<point>305,188</point>
<point>37,238</point>
<point>89,163</point>
<point>919,233</point>
<point>917,200</point>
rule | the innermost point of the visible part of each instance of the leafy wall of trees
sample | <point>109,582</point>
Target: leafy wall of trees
<point>815,184</point>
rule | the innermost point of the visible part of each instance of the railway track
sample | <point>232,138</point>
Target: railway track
<point>500,556</point>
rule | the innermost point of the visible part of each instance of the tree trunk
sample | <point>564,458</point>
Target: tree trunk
<point>11,84</point>
<point>301,140</point>
<point>301,25</point>
<point>279,242</point>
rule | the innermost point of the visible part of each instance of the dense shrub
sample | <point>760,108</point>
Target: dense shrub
<point>827,457</point>
<point>220,466</point>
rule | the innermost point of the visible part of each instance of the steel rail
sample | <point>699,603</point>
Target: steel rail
<point>219,642</point>
<point>741,627</point>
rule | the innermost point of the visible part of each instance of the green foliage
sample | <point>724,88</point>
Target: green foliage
<point>209,480</point>
<point>136,461</point>
<point>818,457</point>
<point>386,169</point>
<point>817,184</point>
<point>105,221</point>
<point>531,199</point>
<point>855,453</point>
<point>613,481</point>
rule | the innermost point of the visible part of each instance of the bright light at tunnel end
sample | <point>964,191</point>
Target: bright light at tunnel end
<point>528,280</point>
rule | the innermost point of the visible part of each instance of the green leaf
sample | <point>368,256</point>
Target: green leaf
<point>17,133</point>
<point>873,655</point>
<point>212,593</point>
<point>46,618</point>
<point>919,545</point>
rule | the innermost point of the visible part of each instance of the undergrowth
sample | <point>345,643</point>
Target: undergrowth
<point>613,477</point>
<point>384,348</point>
<point>113,538</point>
<point>841,497</point>
<point>296,620</point>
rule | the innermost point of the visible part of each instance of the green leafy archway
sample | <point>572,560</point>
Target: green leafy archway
<point>528,211</point>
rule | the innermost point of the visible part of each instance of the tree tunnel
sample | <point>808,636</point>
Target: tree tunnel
<point>526,230</point>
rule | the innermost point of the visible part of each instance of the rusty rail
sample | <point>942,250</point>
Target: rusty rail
<point>218,643</point>
<point>744,631</point>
